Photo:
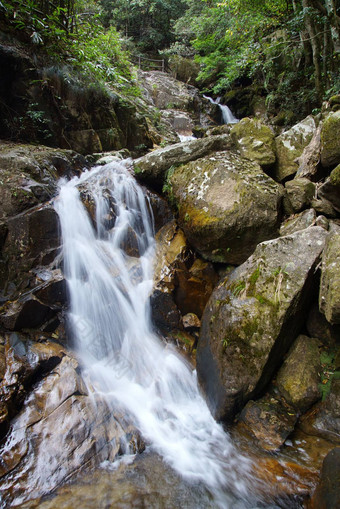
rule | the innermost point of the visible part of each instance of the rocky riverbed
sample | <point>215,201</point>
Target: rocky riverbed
<point>247,285</point>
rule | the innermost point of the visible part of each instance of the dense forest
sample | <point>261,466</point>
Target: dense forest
<point>288,50</point>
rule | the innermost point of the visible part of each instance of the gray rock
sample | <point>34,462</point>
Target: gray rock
<point>29,175</point>
<point>329,296</point>
<point>322,221</point>
<point>323,420</point>
<point>298,222</point>
<point>253,316</point>
<point>32,240</point>
<point>298,195</point>
<point>152,168</point>
<point>165,92</point>
<point>290,145</point>
<point>324,207</point>
<point>226,204</point>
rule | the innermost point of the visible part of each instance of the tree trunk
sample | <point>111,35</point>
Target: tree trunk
<point>315,43</point>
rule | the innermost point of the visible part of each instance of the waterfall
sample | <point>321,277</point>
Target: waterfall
<point>227,116</point>
<point>109,286</point>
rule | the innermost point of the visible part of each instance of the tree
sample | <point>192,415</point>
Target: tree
<point>148,22</point>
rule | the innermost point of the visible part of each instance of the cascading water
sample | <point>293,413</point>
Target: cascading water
<point>113,336</point>
<point>227,116</point>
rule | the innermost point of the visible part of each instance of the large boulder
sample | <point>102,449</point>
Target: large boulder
<point>226,204</point>
<point>166,92</point>
<point>152,167</point>
<point>25,361</point>
<point>255,141</point>
<point>290,145</point>
<point>329,297</point>
<point>330,135</point>
<point>252,318</point>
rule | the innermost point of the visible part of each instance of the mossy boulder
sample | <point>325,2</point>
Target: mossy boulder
<point>226,205</point>
<point>255,141</point>
<point>298,195</point>
<point>152,168</point>
<point>330,140</point>
<point>329,297</point>
<point>290,145</point>
<point>299,378</point>
<point>252,318</point>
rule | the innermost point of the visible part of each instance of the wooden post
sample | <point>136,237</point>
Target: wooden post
<point>139,62</point>
<point>163,66</point>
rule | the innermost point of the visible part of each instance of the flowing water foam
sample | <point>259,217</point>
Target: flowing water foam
<point>114,339</point>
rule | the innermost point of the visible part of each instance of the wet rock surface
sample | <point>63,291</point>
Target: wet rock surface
<point>60,431</point>
<point>327,493</point>
<point>268,420</point>
<point>183,282</point>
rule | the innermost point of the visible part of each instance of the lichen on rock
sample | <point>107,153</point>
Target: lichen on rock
<point>226,205</point>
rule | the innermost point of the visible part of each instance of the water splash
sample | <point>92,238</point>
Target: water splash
<point>109,285</point>
<point>227,115</point>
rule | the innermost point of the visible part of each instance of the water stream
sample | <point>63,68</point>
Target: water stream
<point>114,338</point>
<point>227,115</point>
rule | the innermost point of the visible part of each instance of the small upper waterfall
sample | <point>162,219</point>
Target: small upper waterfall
<point>227,116</point>
<point>113,336</point>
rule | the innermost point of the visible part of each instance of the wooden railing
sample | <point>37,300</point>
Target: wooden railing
<point>148,64</point>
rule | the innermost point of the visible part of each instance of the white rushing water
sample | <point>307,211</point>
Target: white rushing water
<point>113,335</point>
<point>227,115</point>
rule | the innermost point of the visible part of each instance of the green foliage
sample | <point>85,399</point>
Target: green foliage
<point>265,42</point>
<point>328,373</point>
<point>71,32</point>
<point>148,22</point>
